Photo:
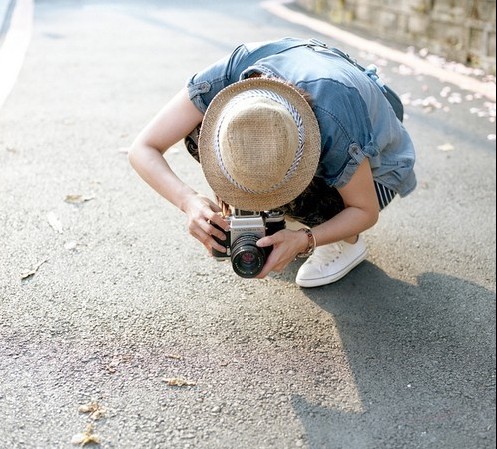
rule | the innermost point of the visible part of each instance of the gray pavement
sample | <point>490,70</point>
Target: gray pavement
<point>399,354</point>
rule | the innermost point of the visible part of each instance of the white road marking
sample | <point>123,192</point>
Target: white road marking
<point>14,46</point>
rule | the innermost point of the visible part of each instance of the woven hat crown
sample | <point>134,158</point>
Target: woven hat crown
<point>258,141</point>
<point>259,144</point>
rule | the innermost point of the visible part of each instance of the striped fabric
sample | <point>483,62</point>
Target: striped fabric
<point>384,194</point>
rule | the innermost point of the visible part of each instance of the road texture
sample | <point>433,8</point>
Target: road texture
<point>104,298</point>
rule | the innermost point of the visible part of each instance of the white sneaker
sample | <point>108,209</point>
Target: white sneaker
<point>331,262</point>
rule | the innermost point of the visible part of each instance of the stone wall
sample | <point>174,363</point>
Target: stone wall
<point>459,30</point>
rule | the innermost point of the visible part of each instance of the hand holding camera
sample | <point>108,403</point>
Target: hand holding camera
<point>246,228</point>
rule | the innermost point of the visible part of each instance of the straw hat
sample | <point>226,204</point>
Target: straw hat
<point>259,144</point>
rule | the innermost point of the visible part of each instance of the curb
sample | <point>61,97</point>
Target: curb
<point>279,8</point>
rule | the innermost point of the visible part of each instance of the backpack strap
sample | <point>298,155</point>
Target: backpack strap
<point>372,72</point>
<point>274,48</point>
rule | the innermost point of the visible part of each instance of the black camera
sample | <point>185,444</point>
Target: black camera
<point>246,228</point>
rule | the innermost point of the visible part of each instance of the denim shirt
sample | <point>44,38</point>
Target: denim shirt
<point>355,119</point>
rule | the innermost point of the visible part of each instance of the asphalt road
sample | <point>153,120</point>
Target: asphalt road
<point>104,296</point>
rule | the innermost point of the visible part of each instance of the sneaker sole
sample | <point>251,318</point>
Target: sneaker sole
<point>319,282</point>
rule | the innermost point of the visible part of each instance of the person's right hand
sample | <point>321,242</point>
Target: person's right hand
<point>202,214</point>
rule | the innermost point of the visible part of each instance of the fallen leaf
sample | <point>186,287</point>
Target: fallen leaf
<point>446,147</point>
<point>31,272</point>
<point>77,199</point>
<point>71,245</point>
<point>424,52</point>
<point>445,92</point>
<point>87,437</point>
<point>428,103</point>
<point>94,409</point>
<point>117,360</point>
<point>179,382</point>
<point>54,222</point>
<point>406,98</point>
<point>405,70</point>
<point>455,98</point>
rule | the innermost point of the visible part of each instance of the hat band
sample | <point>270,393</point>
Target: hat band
<point>298,122</point>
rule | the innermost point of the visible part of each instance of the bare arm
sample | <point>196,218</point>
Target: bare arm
<point>361,209</point>
<point>175,121</point>
<point>360,213</point>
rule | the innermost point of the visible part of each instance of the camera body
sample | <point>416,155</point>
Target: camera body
<point>246,227</point>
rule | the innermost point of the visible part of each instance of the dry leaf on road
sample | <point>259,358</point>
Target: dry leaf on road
<point>72,245</point>
<point>32,271</point>
<point>78,199</point>
<point>179,382</point>
<point>94,409</point>
<point>446,147</point>
<point>54,222</point>
<point>87,437</point>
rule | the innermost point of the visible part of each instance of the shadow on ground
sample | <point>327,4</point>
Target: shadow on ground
<point>423,358</point>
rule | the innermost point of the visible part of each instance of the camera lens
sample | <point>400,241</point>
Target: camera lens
<point>247,259</point>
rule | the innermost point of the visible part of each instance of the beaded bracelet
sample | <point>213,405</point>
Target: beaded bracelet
<point>311,243</point>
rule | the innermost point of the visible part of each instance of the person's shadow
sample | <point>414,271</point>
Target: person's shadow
<point>423,360</point>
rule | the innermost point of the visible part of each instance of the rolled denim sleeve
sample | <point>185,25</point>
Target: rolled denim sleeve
<point>206,84</point>
<point>346,132</point>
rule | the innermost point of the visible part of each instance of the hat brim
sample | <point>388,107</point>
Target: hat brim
<point>295,185</point>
